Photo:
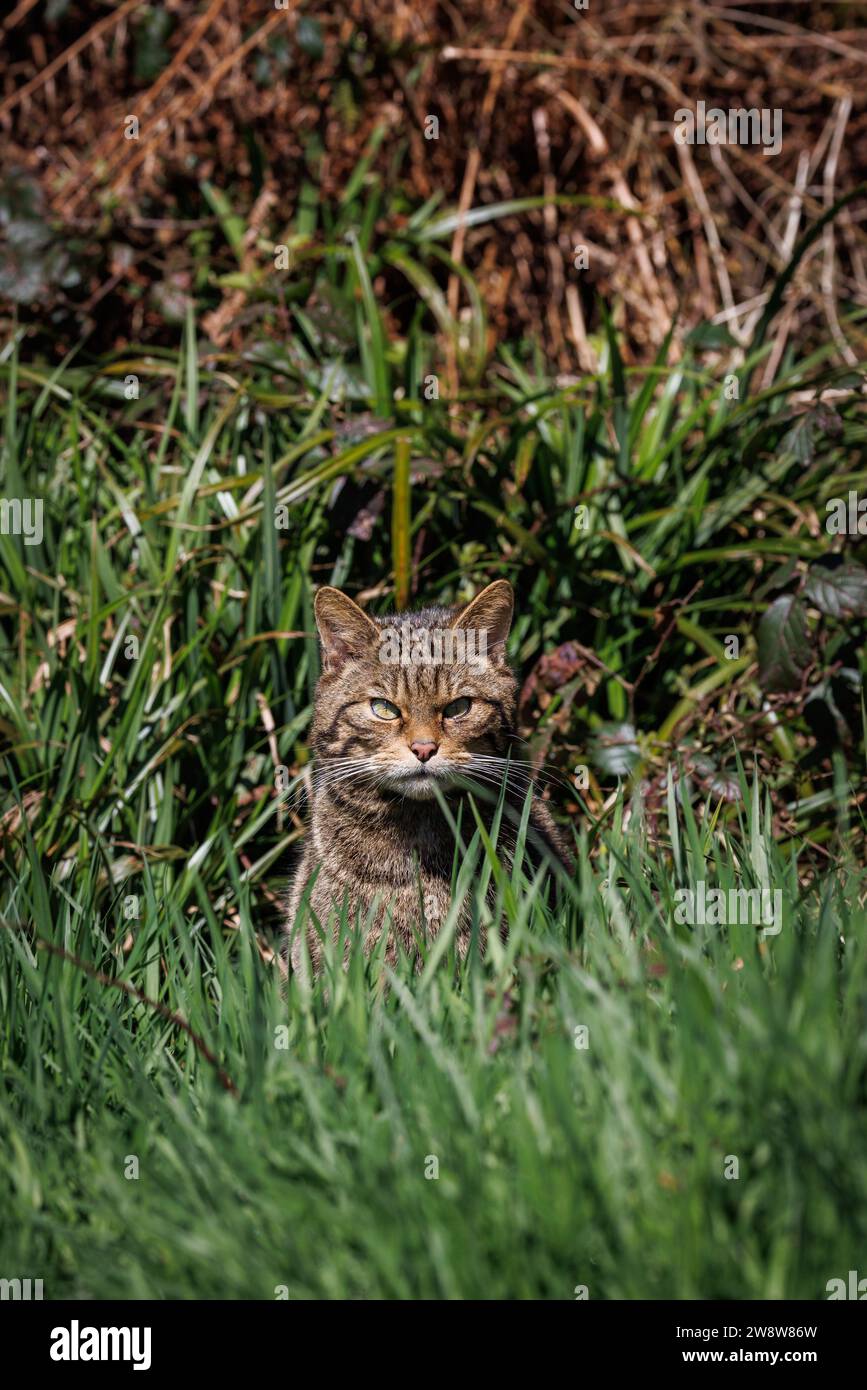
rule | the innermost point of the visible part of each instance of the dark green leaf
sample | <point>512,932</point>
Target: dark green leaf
<point>710,336</point>
<point>308,32</point>
<point>151,54</point>
<point>840,592</point>
<point>799,439</point>
<point>784,644</point>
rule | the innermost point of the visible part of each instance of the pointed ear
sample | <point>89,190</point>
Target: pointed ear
<point>344,629</point>
<point>491,611</point>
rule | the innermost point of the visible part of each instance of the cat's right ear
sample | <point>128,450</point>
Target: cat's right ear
<point>345,630</point>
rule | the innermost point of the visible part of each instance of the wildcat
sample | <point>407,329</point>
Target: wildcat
<point>404,704</point>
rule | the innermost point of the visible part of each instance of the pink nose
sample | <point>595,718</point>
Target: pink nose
<point>424,751</point>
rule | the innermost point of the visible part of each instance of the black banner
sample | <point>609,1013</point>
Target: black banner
<point>150,1338</point>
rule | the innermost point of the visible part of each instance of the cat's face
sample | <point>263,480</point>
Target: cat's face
<point>414,701</point>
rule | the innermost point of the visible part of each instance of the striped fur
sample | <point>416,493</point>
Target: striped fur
<point>378,840</point>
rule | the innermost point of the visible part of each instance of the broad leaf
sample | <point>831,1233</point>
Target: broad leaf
<point>840,592</point>
<point>784,644</point>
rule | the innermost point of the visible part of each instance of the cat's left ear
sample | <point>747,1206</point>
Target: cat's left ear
<point>491,612</point>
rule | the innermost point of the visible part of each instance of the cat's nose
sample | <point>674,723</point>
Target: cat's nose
<point>424,751</point>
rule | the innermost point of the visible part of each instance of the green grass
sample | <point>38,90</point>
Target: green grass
<point>152,801</point>
<point>558,1164</point>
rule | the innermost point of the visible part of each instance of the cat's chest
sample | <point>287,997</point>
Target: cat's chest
<point>394,849</point>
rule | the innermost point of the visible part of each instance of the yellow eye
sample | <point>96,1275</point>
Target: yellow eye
<point>384,709</point>
<point>457,707</point>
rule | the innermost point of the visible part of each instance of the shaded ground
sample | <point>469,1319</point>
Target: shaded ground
<point>284,109</point>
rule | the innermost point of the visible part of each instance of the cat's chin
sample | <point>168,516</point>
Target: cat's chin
<point>418,786</point>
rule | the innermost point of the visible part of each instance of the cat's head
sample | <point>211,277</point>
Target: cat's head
<point>416,699</point>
